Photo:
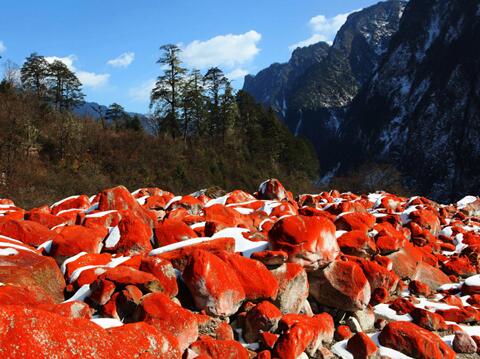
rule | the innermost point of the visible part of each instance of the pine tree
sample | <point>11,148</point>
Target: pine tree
<point>193,102</point>
<point>64,88</point>
<point>134,123</point>
<point>34,74</point>
<point>214,81</point>
<point>165,96</point>
<point>116,116</point>
<point>228,110</point>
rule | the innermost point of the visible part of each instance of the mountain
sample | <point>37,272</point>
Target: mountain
<point>91,109</point>
<point>272,86</point>
<point>318,96</point>
<point>421,108</point>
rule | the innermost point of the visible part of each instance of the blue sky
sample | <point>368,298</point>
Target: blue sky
<point>112,45</point>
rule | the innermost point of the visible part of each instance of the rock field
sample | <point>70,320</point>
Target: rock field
<point>222,275</point>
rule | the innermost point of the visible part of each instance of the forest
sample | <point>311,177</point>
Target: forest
<point>200,133</point>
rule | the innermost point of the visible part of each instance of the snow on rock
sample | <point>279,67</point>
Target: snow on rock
<point>246,264</point>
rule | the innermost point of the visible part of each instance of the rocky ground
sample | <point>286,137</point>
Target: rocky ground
<point>213,275</point>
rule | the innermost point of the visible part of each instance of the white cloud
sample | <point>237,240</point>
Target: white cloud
<point>224,50</point>
<point>67,60</point>
<point>142,92</point>
<point>91,79</point>
<point>237,74</point>
<point>310,41</point>
<point>124,60</point>
<point>88,79</point>
<point>323,29</point>
<point>3,48</point>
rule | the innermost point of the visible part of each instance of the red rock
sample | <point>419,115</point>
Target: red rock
<point>46,219</point>
<point>179,257</point>
<point>357,243</point>
<point>123,276</point>
<point>169,317</point>
<point>405,261</point>
<point>379,295</point>
<point>463,343</point>
<point>31,333</point>
<point>355,221</point>
<point>419,288</point>
<point>264,354</point>
<point>257,281</point>
<point>361,346</point>
<point>148,341</point>
<point>378,276</point>
<point>340,285</point>
<point>270,258</point>
<point>309,241</point>
<point>135,237</point>
<point>460,266</point>
<point>238,196</point>
<point>104,219</point>
<point>164,272</point>
<point>272,189</point>
<point>227,349</point>
<point>387,244</point>
<point>32,270</point>
<point>191,204</point>
<point>172,231</point>
<point>294,341</point>
<point>426,219</point>
<point>292,287</point>
<point>214,285</point>
<point>342,332</point>
<point>284,209</point>
<point>124,305</point>
<point>460,315</point>
<point>28,232</point>
<point>303,334</point>
<point>88,259</point>
<point>219,217</point>
<point>11,294</point>
<point>76,239</point>
<point>428,320</point>
<point>262,318</point>
<point>73,309</point>
<point>269,339</point>
<point>453,300</point>
<point>412,340</point>
<point>431,276</point>
<point>474,299</point>
<point>214,327</point>
<point>79,202</point>
<point>402,306</point>
<point>102,290</point>
<point>120,199</point>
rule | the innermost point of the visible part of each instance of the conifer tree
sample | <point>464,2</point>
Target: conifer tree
<point>116,116</point>
<point>34,74</point>
<point>64,88</point>
<point>165,96</point>
<point>214,81</point>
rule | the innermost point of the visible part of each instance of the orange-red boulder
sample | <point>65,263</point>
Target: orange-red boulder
<point>28,232</point>
<point>214,286</point>
<point>75,239</point>
<point>340,285</point>
<point>410,339</point>
<point>225,349</point>
<point>257,281</point>
<point>172,231</point>
<point>169,317</point>
<point>362,346</point>
<point>309,241</point>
